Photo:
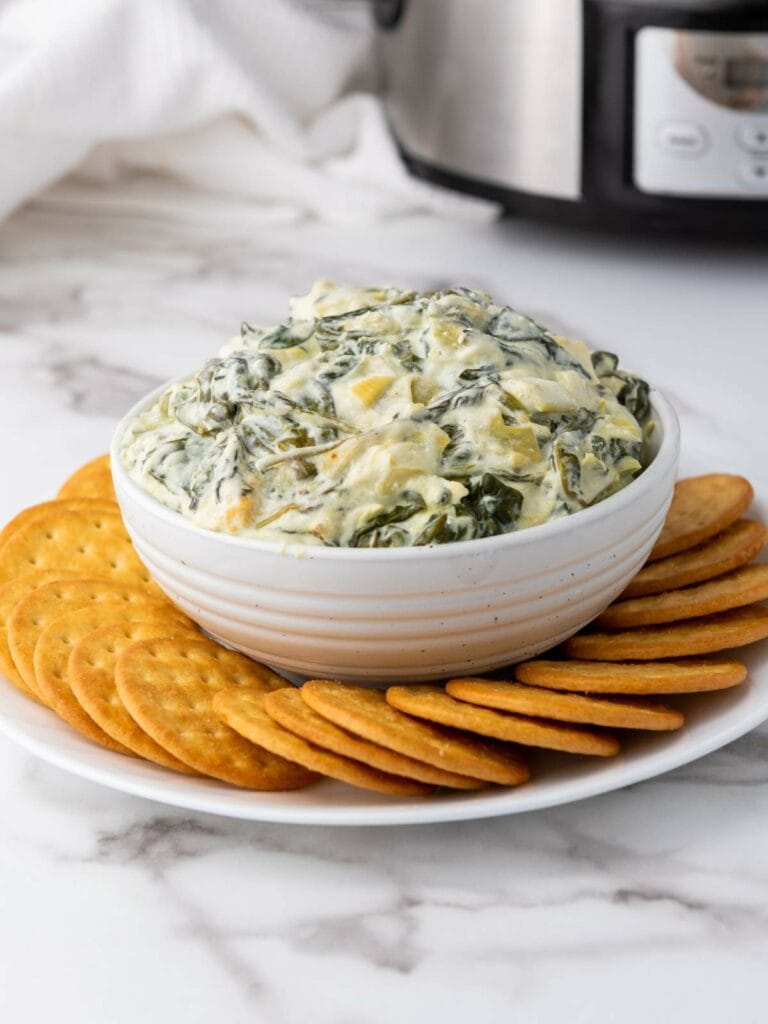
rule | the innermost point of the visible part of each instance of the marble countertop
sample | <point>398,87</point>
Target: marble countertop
<point>646,904</point>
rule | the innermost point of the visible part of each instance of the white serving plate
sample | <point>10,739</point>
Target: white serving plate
<point>713,720</point>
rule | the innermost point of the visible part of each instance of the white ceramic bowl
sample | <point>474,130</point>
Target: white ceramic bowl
<point>381,615</point>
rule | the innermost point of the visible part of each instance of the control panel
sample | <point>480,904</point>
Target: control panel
<point>701,113</point>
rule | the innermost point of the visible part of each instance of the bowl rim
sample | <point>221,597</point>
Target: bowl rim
<point>662,412</point>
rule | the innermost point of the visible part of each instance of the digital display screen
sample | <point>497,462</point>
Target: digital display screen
<point>746,72</point>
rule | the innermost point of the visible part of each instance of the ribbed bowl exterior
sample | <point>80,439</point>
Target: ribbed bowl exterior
<point>407,614</point>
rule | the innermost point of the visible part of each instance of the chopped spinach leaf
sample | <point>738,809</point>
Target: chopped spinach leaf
<point>289,334</point>
<point>371,533</point>
<point>493,504</point>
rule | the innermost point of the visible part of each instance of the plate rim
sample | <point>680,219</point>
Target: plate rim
<point>394,811</point>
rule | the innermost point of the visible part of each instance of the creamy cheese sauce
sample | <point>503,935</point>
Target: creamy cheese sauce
<point>375,417</point>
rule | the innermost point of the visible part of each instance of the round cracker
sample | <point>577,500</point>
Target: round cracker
<point>521,699</point>
<point>93,480</point>
<point>434,704</point>
<point>743,586</point>
<point>731,549</point>
<point>168,686</point>
<point>685,675</point>
<point>702,506</point>
<point>47,508</point>
<point>56,642</point>
<point>291,711</point>
<point>10,595</point>
<point>44,604</point>
<point>734,628</point>
<point>90,543</point>
<point>366,713</point>
<point>91,676</point>
<point>246,713</point>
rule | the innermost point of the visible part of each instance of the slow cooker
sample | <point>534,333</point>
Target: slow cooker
<point>617,112</point>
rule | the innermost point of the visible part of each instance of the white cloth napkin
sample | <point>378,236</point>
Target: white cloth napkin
<point>264,103</point>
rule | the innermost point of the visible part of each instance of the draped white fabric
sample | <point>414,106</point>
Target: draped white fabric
<point>265,104</point>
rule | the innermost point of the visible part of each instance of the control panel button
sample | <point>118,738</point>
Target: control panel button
<point>683,138</point>
<point>753,137</point>
<point>754,173</point>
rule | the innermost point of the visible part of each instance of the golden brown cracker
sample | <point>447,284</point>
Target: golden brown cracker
<point>48,508</point>
<point>743,586</point>
<point>90,543</point>
<point>522,699</point>
<point>720,632</point>
<point>366,713</point>
<point>91,675</point>
<point>702,506</point>
<point>168,686</point>
<point>56,642</point>
<point>246,714</point>
<point>291,711</point>
<point>44,604</point>
<point>434,704</point>
<point>10,595</point>
<point>684,675</point>
<point>734,547</point>
<point>93,480</point>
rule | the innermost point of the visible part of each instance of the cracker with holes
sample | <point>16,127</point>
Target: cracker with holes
<point>522,699</point>
<point>168,686</point>
<point>702,506</point>
<point>434,704</point>
<point>731,549</point>
<point>720,632</point>
<point>57,641</point>
<point>366,713</point>
<point>10,595</point>
<point>683,675</point>
<point>44,604</point>
<point>48,508</point>
<point>89,543</point>
<point>743,586</point>
<point>245,712</point>
<point>291,711</point>
<point>93,480</point>
<point>91,676</point>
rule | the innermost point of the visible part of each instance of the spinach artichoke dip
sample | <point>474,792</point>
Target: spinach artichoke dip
<point>375,417</point>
